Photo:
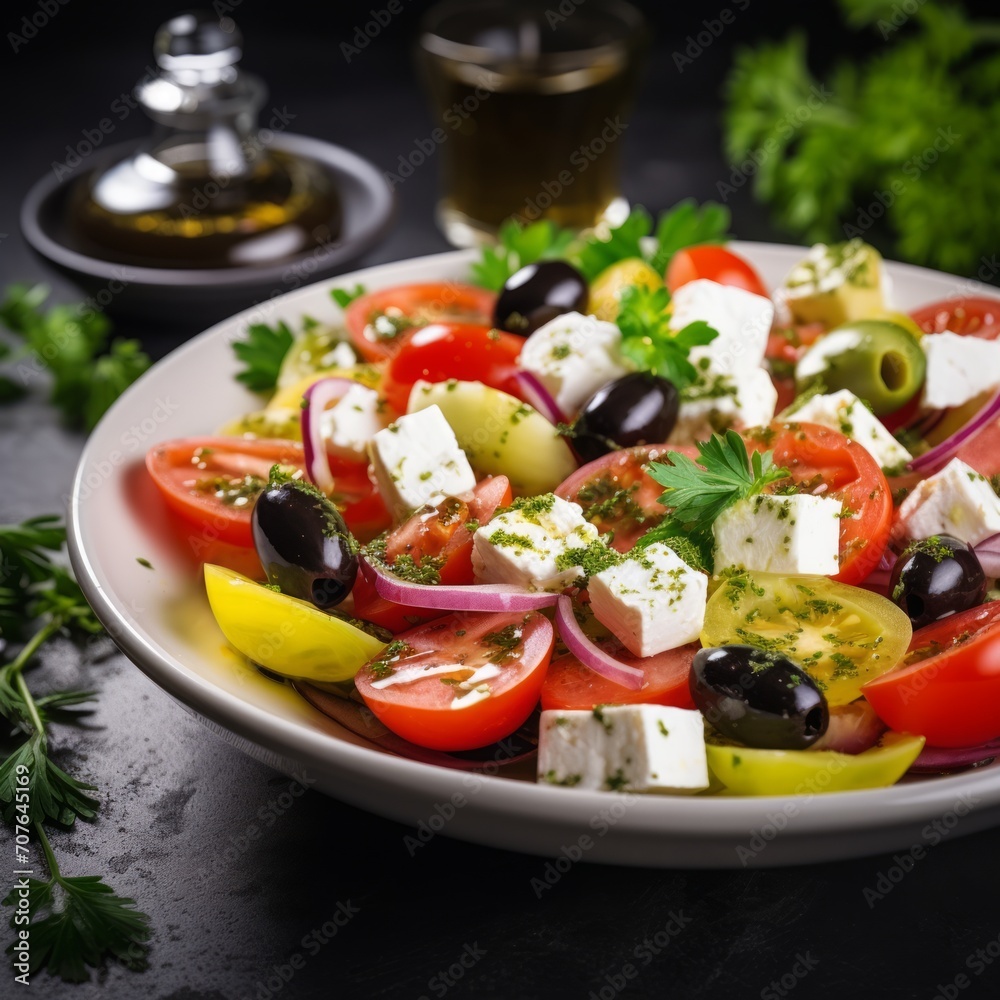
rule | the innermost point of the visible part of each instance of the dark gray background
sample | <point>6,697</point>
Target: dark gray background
<point>177,799</point>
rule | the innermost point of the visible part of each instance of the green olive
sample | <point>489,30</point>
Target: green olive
<point>876,359</point>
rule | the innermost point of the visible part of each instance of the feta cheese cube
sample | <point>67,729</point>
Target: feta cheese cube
<point>958,368</point>
<point>638,748</point>
<point>652,601</point>
<point>742,319</point>
<point>529,545</point>
<point>956,501</point>
<point>573,356</point>
<point>780,534</point>
<point>353,421</point>
<point>718,402</point>
<point>844,412</point>
<point>417,460</point>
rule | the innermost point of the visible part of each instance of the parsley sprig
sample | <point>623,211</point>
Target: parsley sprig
<point>518,246</point>
<point>262,351</point>
<point>648,341</point>
<point>89,371</point>
<point>698,493</point>
<point>75,921</point>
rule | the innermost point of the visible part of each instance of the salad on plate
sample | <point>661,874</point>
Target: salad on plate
<point>616,507</point>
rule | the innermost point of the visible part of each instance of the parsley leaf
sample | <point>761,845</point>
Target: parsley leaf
<point>518,246</point>
<point>262,352</point>
<point>622,243</point>
<point>648,341</point>
<point>698,494</point>
<point>345,296</point>
<point>72,343</point>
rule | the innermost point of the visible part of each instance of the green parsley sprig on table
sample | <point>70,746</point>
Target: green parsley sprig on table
<point>648,341</point>
<point>907,135</point>
<point>89,371</point>
<point>698,493</point>
<point>75,922</point>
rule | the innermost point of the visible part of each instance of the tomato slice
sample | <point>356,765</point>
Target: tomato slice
<point>617,495</point>
<point>715,263</point>
<point>440,535</point>
<point>569,684</point>
<point>461,682</point>
<point>948,688</point>
<point>213,482</point>
<point>442,351</point>
<point>973,315</point>
<point>378,320</point>
<point>825,463</point>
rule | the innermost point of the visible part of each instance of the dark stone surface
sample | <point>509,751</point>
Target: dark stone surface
<point>240,872</point>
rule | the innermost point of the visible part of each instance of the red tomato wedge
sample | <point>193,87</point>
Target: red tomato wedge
<point>617,495</point>
<point>441,535</point>
<point>441,351</point>
<point>716,264</point>
<point>212,482</point>
<point>377,321</point>
<point>460,682</point>
<point>827,464</point>
<point>571,685</point>
<point>949,686</point>
<point>973,315</point>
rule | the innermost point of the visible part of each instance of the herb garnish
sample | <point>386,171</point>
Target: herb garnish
<point>517,246</point>
<point>262,351</point>
<point>345,296</point>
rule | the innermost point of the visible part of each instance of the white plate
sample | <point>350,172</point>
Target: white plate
<point>161,620</point>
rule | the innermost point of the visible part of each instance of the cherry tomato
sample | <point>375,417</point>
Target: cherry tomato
<point>441,535</point>
<point>442,351</point>
<point>571,685</point>
<point>617,495</point>
<point>212,482</point>
<point>972,315</point>
<point>948,688</point>
<point>377,321</point>
<point>785,346</point>
<point>460,682</point>
<point>715,263</point>
<point>828,464</point>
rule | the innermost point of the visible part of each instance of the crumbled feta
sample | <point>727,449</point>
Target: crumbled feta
<point>742,319</point>
<point>417,461</point>
<point>958,368</point>
<point>956,501</point>
<point>652,601</point>
<point>638,748</point>
<point>353,421</point>
<point>532,545</point>
<point>844,412</point>
<point>780,534</point>
<point>573,356</point>
<point>717,402</point>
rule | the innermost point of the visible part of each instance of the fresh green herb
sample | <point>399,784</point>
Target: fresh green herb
<point>599,715</point>
<point>345,296</point>
<point>648,341</point>
<point>933,547</point>
<point>76,922</point>
<point>922,101</point>
<point>382,667</point>
<point>144,562</point>
<point>262,351</point>
<point>506,641</point>
<point>568,782</point>
<point>616,782</point>
<point>519,246</point>
<point>89,371</point>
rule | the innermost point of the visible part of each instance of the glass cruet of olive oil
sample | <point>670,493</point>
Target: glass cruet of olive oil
<point>207,189</point>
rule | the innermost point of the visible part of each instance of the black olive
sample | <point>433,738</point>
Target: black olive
<point>936,577</point>
<point>640,408</point>
<point>303,544</point>
<point>760,699</point>
<point>538,293</point>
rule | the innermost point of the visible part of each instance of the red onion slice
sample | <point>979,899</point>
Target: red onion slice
<point>317,398</point>
<point>589,653</point>
<point>940,454</point>
<point>535,393</point>
<point>937,759</point>
<point>441,597</point>
<point>988,553</point>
